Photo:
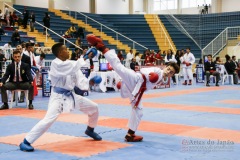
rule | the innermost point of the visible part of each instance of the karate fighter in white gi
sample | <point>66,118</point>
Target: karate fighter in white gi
<point>133,83</point>
<point>65,75</point>
<point>188,60</point>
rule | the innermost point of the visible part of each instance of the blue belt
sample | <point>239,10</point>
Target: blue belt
<point>65,92</point>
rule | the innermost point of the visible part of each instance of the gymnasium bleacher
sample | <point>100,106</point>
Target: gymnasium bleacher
<point>135,28</point>
<point>57,24</point>
<point>180,39</point>
<point>6,38</point>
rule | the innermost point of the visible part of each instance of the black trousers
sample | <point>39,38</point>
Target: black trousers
<point>14,86</point>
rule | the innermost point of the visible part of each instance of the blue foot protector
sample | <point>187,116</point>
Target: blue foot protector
<point>93,134</point>
<point>26,146</point>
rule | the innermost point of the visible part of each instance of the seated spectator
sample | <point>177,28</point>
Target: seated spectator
<point>78,42</point>
<point>237,66</point>
<point>235,62</point>
<point>73,31</point>
<point>231,68</point>
<point>16,37</point>
<point>20,77</point>
<point>67,34</point>
<point>210,69</point>
<point>14,18</point>
<point>80,32</point>
<point>218,61</point>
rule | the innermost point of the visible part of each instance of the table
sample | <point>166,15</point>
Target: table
<point>109,79</point>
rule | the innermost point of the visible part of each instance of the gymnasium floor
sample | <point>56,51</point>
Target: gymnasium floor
<point>179,123</point>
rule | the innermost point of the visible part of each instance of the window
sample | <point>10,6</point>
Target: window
<point>156,5</point>
<point>164,4</point>
<point>172,4</point>
<point>194,3</point>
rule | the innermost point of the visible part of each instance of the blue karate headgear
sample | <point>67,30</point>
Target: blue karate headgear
<point>93,50</point>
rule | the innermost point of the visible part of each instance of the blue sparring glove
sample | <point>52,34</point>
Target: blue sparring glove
<point>96,79</point>
<point>93,50</point>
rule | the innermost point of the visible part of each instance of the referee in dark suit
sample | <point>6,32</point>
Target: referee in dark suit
<point>20,77</point>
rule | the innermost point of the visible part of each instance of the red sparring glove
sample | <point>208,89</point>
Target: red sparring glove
<point>184,62</point>
<point>96,42</point>
<point>119,84</point>
<point>153,77</point>
<point>188,64</point>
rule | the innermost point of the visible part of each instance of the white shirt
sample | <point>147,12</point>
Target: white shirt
<point>138,60</point>
<point>40,63</point>
<point>128,59</point>
<point>172,59</point>
<point>17,69</point>
<point>7,46</point>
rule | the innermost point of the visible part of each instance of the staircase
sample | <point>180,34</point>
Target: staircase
<point>95,31</point>
<point>40,37</point>
<point>231,44</point>
<point>158,32</point>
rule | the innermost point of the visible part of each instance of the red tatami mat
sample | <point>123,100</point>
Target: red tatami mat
<point>74,146</point>
<point>176,129</point>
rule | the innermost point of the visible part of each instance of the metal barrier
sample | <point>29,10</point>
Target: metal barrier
<point>218,43</point>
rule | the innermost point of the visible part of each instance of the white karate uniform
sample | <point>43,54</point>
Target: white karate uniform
<point>131,83</point>
<point>67,75</point>
<point>187,70</point>
<point>138,60</point>
<point>128,60</point>
<point>40,63</point>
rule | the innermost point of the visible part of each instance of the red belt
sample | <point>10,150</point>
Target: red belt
<point>143,88</point>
